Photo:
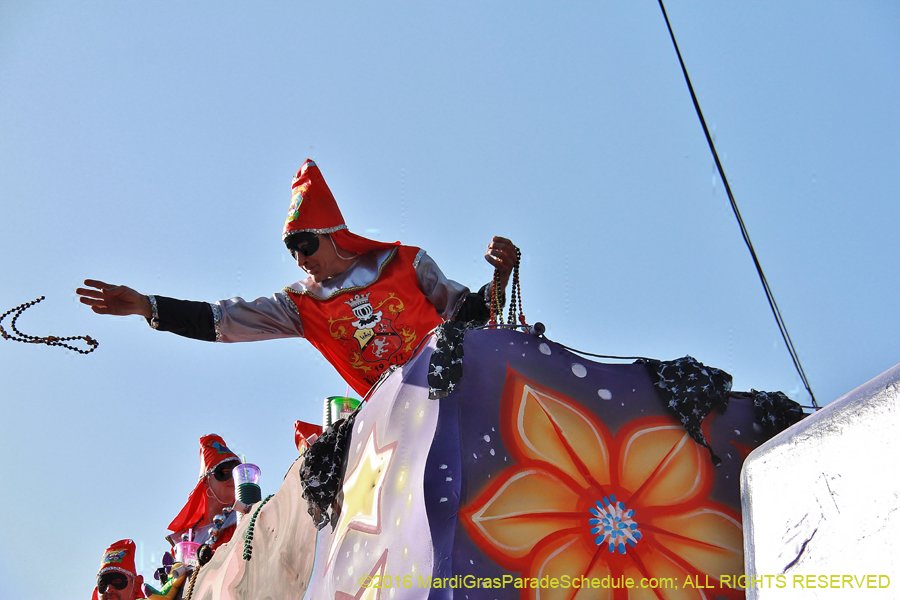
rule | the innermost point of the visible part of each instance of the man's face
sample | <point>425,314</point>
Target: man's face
<point>221,483</point>
<point>118,586</point>
<point>323,263</point>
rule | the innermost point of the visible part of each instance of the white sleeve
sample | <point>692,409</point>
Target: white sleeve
<point>267,318</point>
<point>445,294</point>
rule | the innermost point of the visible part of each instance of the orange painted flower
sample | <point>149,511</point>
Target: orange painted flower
<point>585,507</point>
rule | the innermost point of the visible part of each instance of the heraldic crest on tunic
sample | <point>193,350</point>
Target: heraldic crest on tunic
<point>374,334</point>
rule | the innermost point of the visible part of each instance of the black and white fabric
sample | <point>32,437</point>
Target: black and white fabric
<point>775,411</point>
<point>691,391</point>
<point>445,367</point>
<point>322,472</point>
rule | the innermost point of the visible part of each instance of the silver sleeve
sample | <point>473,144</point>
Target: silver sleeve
<point>267,318</point>
<point>445,294</point>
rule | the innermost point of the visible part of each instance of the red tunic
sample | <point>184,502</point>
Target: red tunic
<point>364,330</point>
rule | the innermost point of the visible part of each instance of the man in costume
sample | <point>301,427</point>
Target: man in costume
<point>365,305</point>
<point>117,578</point>
<point>213,493</point>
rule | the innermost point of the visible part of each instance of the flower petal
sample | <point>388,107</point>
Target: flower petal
<point>568,560</point>
<point>669,578</point>
<point>523,507</point>
<point>661,465</point>
<point>709,538</point>
<point>548,427</point>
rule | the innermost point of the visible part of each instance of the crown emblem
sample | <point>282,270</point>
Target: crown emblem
<point>357,300</point>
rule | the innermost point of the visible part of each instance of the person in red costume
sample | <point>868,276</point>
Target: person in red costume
<point>213,493</point>
<point>117,578</point>
<point>365,305</point>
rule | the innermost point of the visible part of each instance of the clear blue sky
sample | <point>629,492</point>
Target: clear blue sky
<point>153,144</point>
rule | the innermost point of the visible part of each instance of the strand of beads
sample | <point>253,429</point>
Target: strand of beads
<point>496,304</point>
<point>248,537</point>
<point>516,294</point>
<point>517,287</point>
<point>50,340</point>
<point>218,521</point>
<point>515,301</point>
<point>190,589</point>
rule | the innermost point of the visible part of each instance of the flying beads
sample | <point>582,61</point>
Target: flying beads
<point>50,340</point>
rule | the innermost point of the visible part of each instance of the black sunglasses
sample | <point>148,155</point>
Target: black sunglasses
<point>223,472</point>
<point>311,247</point>
<point>117,580</point>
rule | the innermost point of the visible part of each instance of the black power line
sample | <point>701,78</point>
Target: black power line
<point>737,213</point>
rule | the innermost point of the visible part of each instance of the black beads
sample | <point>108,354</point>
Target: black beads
<point>50,340</point>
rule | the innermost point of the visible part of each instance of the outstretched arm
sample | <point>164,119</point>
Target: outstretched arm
<point>234,320</point>
<point>108,299</point>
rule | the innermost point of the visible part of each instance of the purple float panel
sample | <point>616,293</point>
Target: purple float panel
<point>547,455</point>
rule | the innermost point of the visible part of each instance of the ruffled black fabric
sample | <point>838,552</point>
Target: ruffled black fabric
<point>691,391</point>
<point>322,472</point>
<point>445,368</point>
<point>775,411</point>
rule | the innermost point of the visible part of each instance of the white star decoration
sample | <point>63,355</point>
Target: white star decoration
<point>362,489</point>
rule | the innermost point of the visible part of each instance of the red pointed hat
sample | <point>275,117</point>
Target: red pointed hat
<point>213,452</point>
<point>119,557</point>
<point>314,209</point>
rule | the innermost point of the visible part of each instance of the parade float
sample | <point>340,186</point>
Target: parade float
<point>542,474</point>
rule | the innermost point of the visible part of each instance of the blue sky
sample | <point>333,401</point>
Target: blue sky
<point>153,144</point>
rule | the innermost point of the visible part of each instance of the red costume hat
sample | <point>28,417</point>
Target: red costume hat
<point>119,557</point>
<point>213,452</point>
<point>314,209</point>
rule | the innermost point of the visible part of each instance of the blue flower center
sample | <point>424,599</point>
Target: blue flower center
<point>613,525</point>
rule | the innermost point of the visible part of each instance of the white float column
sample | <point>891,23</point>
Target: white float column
<point>821,501</point>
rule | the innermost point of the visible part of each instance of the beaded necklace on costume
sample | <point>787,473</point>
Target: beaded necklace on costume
<point>50,340</point>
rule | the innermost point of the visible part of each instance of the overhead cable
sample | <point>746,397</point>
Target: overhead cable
<point>737,213</point>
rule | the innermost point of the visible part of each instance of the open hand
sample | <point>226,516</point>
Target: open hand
<point>108,299</point>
